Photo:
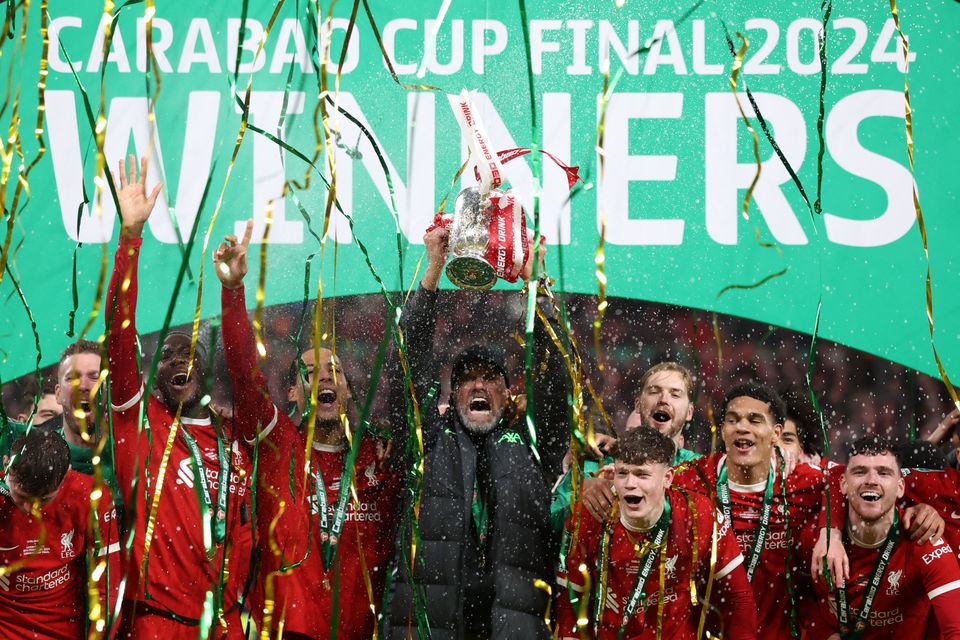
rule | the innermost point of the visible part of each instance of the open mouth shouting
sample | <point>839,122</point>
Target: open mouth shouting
<point>326,398</point>
<point>180,380</point>
<point>744,446</point>
<point>632,501</point>
<point>870,496</point>
<point>479,404</point>
<point>660,418</point>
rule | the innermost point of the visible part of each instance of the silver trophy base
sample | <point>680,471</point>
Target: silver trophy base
<point>471,273</point>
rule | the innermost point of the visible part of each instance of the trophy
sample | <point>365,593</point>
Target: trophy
<point>467,265</point>
<point>488,228</point>
<point>488,239</point>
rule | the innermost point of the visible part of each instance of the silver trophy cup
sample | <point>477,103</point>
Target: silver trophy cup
<point>467,265</point>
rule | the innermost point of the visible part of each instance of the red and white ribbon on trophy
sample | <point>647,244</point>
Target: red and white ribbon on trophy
<point>508,247</point>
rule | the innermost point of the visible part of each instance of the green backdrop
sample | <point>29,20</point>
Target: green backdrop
<point>678,158</point>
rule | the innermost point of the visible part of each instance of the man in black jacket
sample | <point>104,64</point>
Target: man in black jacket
<point>485,538</point>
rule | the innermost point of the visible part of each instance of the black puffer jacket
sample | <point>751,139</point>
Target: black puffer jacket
<point>455,576</point>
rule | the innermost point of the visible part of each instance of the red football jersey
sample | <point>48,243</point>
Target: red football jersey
<point>307,595</point>
<point>804,497</point>
<point>689,529</point>
<point>918,577</point>
<point>45,596</point>
<point>179,571</point>
<point>940,490</point>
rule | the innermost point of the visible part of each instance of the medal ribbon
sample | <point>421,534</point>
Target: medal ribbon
<point>330,531</point>
<point>648,555</point>
<point>843,604</point>
<point>215,528</point>
<point>760,533</point>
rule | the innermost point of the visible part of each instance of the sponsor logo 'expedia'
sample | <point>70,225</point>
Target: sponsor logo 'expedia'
<point>941,550</point>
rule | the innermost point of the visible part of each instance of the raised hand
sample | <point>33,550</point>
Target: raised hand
<point>435,242</point>
<point>230,258</point>
<point>135,204</point>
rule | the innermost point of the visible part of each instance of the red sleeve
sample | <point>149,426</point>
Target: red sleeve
<point>941,580</point>
<point>739,609</point>
<point>570,582</point>
<point>696,477</point>
<point>126,383</point>
<point>729,556</point>
<point>254,411</point>
<point>930,487</point>
<point>833,496</point>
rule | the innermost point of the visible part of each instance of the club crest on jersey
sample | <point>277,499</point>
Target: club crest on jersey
<point>66,544</point>
<point>893,582</point>
<point>371,474</point>
<point>671,565</point>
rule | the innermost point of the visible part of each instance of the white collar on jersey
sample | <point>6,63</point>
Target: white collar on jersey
<point>196,422</point>
<point>630,527</point>
<point>328,448</point>
<point>759,487</point>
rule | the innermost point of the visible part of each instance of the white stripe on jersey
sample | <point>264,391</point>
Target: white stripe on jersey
<point>950,586</point>
<point>736,562</point>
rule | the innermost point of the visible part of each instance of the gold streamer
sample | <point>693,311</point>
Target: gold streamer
<point>759,283</point>
<point>365,573</point>
<point>712,574</point>
<point>269,598</point>
<point>261,283</point>
<point>157,489</point>
<point>734,74</point>
<point>12,146</point>
<point>908,123</point>
<point>540,584</point>
<point>600,258</point>
<point>583,614</point>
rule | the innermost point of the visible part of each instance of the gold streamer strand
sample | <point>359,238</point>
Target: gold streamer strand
<point>165,458</point>
<point>712,574</point>
<point>269,601</point>
<point>908,123</point>
<point>261,283</point>
<point>12,146</point>
<point>599,259</point>
<point>734,74</point>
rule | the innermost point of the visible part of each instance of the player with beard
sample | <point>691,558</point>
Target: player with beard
<point>51,542</point>
<point>315,548</point>
<point>484,531</point>
<point>179,569</point>
<point>893,582</point>
<point>78,381</point>
<point>629,596</point>
<point>771,514</point>
<point>665,403</point>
